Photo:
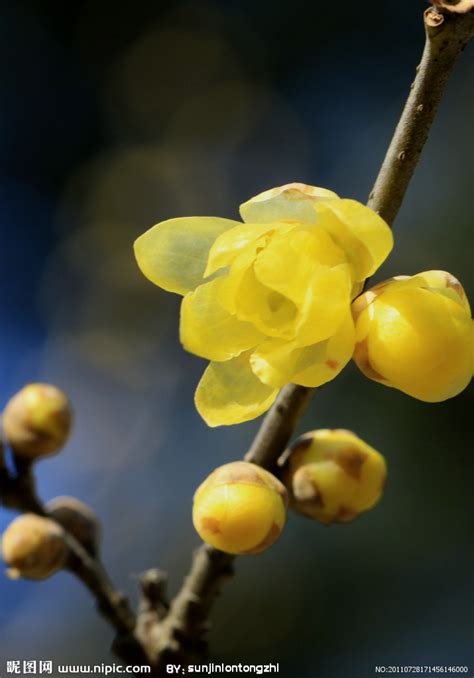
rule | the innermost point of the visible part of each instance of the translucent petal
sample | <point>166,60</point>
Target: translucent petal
<point>234,241</point>
<point>271,312</point>
<point>228,291</point>
<point>230,393</point>
<point>326,304</point>
<point>277,284</point>
<point>305,267</point>
<point>292,202</point>
<point>278,363</point>
<point>208,330</point>
<point>174,253</point>
<point>365,236</point>
<point>288,262</point>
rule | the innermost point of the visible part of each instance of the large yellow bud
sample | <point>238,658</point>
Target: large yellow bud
<point>37,421</point>
<point>34,547</point>
<point>240,508</point>
<point>416,334</point>
<point>332,475</point>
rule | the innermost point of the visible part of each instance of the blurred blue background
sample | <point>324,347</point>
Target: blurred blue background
<point>114,116</point>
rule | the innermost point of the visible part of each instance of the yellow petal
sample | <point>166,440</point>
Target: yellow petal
<point>326,304</point>
<point>365,236</point>
<point>277,284</point>
<point>234,241</point>
<point>230,393</point>
<point>306,267</point>
<point>447,284</point>
<point>271,312</point>
<point>229,291</point>
<point>208,330</point>
<point>278,363</point>
<point>173,254</point>
<point>292,202</point>
<point>416,340</point>
<point>288,262</point>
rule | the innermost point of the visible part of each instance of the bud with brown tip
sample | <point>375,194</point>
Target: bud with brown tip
<point>37,421</point>
<point>333,476</point>
<point>240,508</point>
<point>34,547</point>
<point>78,519</point>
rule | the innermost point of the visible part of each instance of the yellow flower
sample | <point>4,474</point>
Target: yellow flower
<point>333,476</point>
<point>416,334</point>
<point>267,301</point>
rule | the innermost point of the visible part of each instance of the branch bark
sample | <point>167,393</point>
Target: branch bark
<point>182,634</point>
<point>447,34</point>
<point>19,493</point>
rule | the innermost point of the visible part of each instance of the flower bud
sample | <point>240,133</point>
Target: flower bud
<point>240,508</point>
<point>332,475</point>
<point>37,421</point>
<point>416,334</point>
<point>33,547</point>
<point>77,519</point>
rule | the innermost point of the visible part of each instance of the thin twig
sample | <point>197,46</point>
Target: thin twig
<point>447,35</point>
<point>19,493</point>
<point>181,634</point>
<point>278,426</point>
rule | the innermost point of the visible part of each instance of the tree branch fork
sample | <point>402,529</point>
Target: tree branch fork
<point>161,632</point>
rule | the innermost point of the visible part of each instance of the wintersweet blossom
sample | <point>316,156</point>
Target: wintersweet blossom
<point>267,301</point>
<point>415,333</point>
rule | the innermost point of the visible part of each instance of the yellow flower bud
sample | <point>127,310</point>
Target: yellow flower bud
<point>33,547</point>
<point>416,334</point>
<point>332,475</point>
<point>77,519</point>
<point>37,421</point>
<point>240,508</point>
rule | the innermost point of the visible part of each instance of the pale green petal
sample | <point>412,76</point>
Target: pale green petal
<point>230,393</point>
<point>209,331</point>
<point>292,202</point>
<point>173,254</point>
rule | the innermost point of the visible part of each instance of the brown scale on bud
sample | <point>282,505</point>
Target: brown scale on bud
<point>333,476</point>
<point>78,519</point>
<point>456,6</point>
<point>34,547</point>
<point>37,421</point>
